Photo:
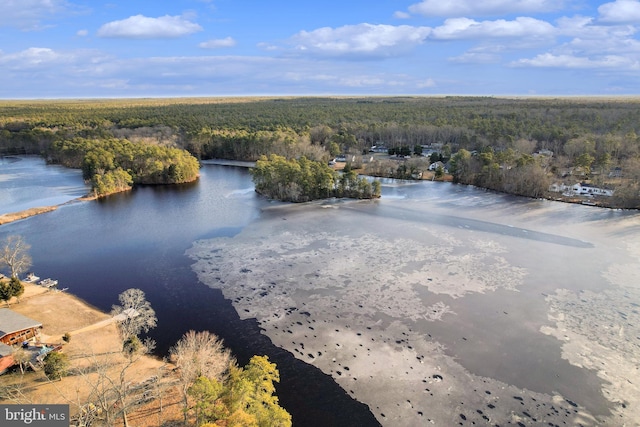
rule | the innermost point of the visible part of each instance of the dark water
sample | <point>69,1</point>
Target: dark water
<point>138,239</point>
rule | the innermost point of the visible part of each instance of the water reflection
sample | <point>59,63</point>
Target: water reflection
<point>138,239</point>
<point>26,182</point>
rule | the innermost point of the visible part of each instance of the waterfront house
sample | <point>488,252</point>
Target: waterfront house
<point>16,328</point>
<point>436,165</point>
<point>6,357</point>
<point>580,189</point>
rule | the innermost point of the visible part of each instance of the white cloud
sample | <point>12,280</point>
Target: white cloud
<point>82,33</point>
<point>53,63</point>
<point>268,46</point>
<point>549,60</point>
<point>575,25</point>
<point>32,57</point>
<point>401,15</point>
<point>589,38</point>
<point>624,47</point>
<point>30,14</point>
<point>218,43</point>
<point>465,28</point>
<point>426,83</point>
<point>143,27</point>
<point>360,40</point>
<point>457,8</point>
<point>476,57</point>
<point>48,73</point>
<point>620,11</point>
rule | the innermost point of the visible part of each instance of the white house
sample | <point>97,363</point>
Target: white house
<point>544,152</point>
<point>434,166</point>
<point>590,190</point>
<point>378,149</point>
<point>580,189</point>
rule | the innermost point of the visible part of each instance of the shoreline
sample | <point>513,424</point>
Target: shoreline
<point>16,216</point>
<point>94,339</point>
<point>27,213</point>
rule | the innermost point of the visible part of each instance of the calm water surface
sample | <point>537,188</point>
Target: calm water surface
<point>26,183</point>
<point>98,249</point>
<point>138,239</point>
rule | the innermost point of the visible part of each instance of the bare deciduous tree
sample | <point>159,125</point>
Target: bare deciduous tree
<point>16,393</point>
<point>199,354</point>
<point>134,315</point>
<point>112,393</point>
<point>22,357</point>
<point>15,255</point>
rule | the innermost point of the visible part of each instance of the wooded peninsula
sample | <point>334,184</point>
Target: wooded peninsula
<point>577,149</point>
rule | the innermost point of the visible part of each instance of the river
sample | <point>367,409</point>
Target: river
<point>438,302</point>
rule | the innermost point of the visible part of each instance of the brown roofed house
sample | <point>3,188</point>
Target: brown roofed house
<point>14,329</point>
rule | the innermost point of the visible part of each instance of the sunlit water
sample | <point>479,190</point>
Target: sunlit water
<point>25,182</point>
<point>139,239</point>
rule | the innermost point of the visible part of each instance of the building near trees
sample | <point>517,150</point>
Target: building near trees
<point>14,329</point>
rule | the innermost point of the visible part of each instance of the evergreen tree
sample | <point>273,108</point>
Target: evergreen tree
<point>16,287</point>
<point>5,292</point>
<point>56,365</point>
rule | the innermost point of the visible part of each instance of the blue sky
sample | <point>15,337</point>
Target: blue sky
<point>162,48</point>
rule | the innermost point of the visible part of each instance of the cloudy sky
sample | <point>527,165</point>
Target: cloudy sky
<point>157,48</point>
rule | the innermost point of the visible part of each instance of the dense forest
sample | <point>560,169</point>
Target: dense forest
<point>302,180</point>
<point>113,165</point>
<point>515,145</point>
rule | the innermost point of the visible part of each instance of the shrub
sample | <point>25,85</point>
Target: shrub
<point>56,365</point>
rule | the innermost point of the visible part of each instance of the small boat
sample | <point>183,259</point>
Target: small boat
<point>48,282</point>
<point>31,278</point>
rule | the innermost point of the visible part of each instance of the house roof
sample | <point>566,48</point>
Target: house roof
<point>5,350</point>
<point>11,322</point>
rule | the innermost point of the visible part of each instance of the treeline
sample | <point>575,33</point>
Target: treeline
<point>354,123</point>
<point>113,165</point>
<point>504,171</point>
<point>419,118</point>
<point>589,137</point>
<point>249,145</point>
<point>302,180</point>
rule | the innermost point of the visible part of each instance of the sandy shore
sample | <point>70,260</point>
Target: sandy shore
<point>94,339</point>
<point>10,217</point>
<point>16,216</point>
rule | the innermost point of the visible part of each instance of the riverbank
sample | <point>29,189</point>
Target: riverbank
<point>17,216</point>
<point>10,217</point>
<point>94,344</point>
